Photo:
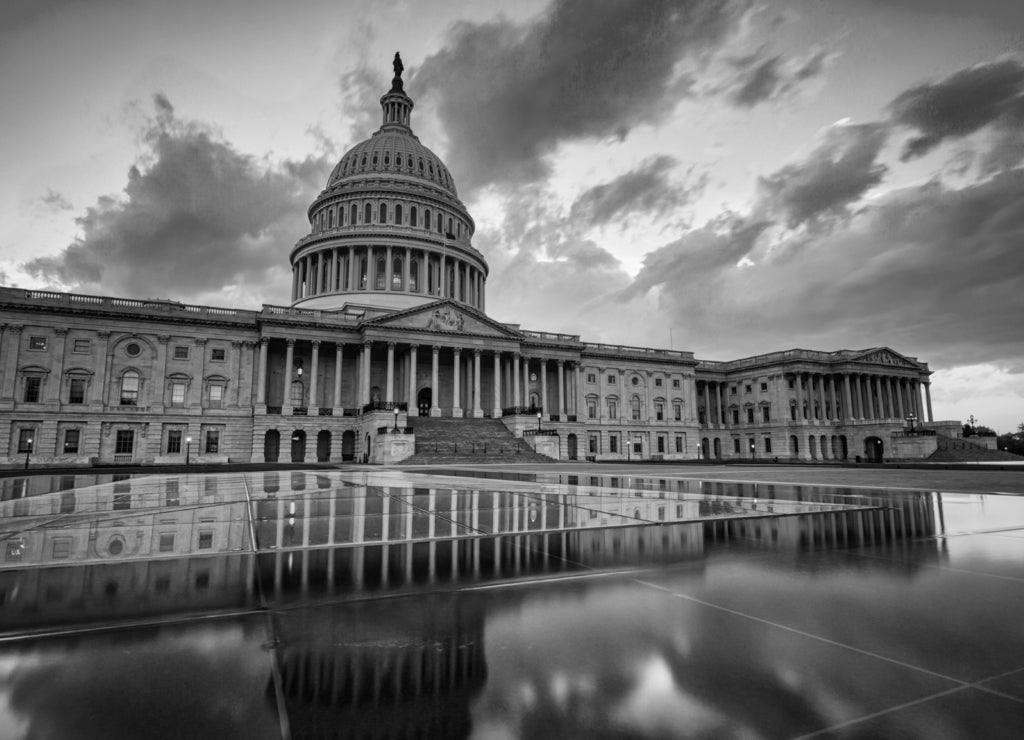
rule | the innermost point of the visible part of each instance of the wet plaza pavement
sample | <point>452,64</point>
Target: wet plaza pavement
<point>560,601</point>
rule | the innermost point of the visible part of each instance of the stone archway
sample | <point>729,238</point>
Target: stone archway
<point>323,446</point>
<point>348,446</point>
<point>812,447</point>
<point>424,400</point>
<point>718,448</point>
<point>874,450</point>
<point>298,446</point>
<point>271,445</point>
<point>571,442</point>
<point>794,446</point>
<point>705,446</point>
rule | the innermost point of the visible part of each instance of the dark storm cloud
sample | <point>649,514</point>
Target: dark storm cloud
<point>508,94</point>
<point>965,102</point>
<point>764,78</point>
<point>55,201</point>
<point>647,189</point>
<point>196,214</point>
<point>934,270</point>
<point>836,174</point>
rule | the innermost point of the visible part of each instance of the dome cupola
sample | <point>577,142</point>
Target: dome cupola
<point>388,231</point>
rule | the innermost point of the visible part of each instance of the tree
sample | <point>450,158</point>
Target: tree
<point>1013,441</point>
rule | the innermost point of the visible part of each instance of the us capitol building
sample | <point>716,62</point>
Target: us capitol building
<point>387,330</point>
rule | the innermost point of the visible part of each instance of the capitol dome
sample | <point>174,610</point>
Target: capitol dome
<point>388,231</point>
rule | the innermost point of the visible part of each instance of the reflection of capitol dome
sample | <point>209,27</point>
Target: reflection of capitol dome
<point>388,232</point>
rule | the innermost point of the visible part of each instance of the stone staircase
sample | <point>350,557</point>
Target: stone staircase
<point>963,450</point>
<point>445,440</point>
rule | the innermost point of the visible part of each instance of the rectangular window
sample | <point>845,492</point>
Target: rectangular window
<point>76,394</point>
<point>26,439</point>
<point>748,388</point>
<point>593,444</point>
<point>659,411</point>
<point>61,549</point>
<point>677,411</point>
<point>613,443</point>
<point>657,382</point>
<point>82,346</point>
<point>218,354</point>
<point>37,342</point>
<point>638,446</point>
<point>591,378</point>
<point>635,410</point>
<point>767,444</point>
<point>732,391</point>
<point>750,416</point>
<point>791,385</point>
<point>679,444</point>
<point>736,446</point>
<point>177,394</point>
<point>33,384</point>
<point>764,387</point>
<point>125,442</point>
<point>180,352</point>
<point>735,416</point>
<point>675,383</point>
<point>661,444</point>
<point>167,542</point>
<point>613,410</point>
<point>205,540</point>
<point>71,437</point>
<point>766,414</point>
<point>67,503</point>
<point>172,493</point>
<point>216,396</point>
<point>15,550</point>
<point>173,441</point>
<point>611,380</point>
<point>591,409</point>
<point>212,441</point>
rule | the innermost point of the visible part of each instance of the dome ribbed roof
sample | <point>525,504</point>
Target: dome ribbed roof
<point>393,152</point>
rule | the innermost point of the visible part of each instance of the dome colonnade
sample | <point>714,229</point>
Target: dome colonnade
<point>388,231</point>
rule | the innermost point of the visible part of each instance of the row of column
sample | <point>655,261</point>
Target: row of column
<point>347,269</point>
<point>846,396</point>
<point>510,378</point>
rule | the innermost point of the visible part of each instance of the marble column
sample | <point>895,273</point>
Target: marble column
<point>456,377</point>
<point>821,397</point>
<point>719,411</point>
<point>544,387</point>
<point>314,371</point>
<point>289,360</point>
<point>561,389</point>
<point>261,383</point>
<point>515,380</point>
<point>413,401</point>
<point>365,379</point>
<point>339,349</point>
<point>847,398</point>
<point>496,411</point>
<point>478,411</point>
<point>435,409</point>
<point>389,392</point>
<point>928,398</point>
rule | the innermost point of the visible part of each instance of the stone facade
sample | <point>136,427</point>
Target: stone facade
<point>388,320</point>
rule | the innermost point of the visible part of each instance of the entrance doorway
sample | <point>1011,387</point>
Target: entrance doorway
<point>271,445</point>
<point>298,446</point>
<point>323,446</point>
<point>348,446</point>
<point>873,449</point>
<point>718,448</point>
<point>424,400</point>
<point>704,446</point>
<point>572,446</point>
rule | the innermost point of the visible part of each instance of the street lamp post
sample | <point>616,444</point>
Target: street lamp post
<point>396,419</point>
<point>188,449</point>
<point>911,418</point>
<point>28,451</point>
<point>538,422</point>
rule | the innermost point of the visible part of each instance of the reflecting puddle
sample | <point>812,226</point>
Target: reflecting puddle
<point>446,605</point>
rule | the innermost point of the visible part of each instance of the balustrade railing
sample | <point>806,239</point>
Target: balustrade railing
<point>385,406</point>
<point>521,411</point>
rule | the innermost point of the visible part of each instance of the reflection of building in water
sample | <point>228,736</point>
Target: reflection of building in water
<point>382,671</point>
<point>159,543</point>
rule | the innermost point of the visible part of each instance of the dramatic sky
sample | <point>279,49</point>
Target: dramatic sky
<point>719,176</point>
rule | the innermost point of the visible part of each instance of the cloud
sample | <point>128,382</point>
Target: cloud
<point>761,78</point>
<point>836,174</point>
<point>930,270</point>
<point>990,94</point>
<point>646,189</point>
<point>55,201</point>
<point>196,214</point>
<point>508,94</point>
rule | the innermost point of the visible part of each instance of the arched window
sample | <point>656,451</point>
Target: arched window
<point>450,230</point>
<point>412,216</point>
<point>298,394</point>
<point>130,383</point>
<point>378,278</point>
<point>382,214</point>
<point>414,275</point>
<point>440,220</point>
<point>387,158</point>
<point>398,214</point>
<point>426,218</point>
<point>367,213</point>
<point>396,273</point>
<point>330,219</point>
<point>364,161</point>
<point>634,406</point>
